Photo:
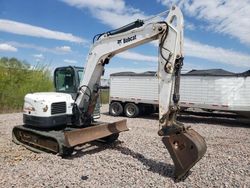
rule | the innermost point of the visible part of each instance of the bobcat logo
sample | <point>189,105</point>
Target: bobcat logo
<point>125,40</point>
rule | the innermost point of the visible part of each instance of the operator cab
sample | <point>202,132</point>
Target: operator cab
<point>67,79</point>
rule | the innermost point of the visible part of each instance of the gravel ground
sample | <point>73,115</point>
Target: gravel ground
<point>138,159</point>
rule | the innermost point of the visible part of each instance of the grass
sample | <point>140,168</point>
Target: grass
<point>104,96</point>
<point>17,79</point>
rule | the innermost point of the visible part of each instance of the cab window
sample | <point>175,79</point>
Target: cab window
<point>64,80</point>
<point>80,75</point>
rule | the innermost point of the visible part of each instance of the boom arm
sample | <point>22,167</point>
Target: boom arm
<point>170,51</point>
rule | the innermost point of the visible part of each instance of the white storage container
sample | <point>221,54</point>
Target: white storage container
<point>213,89</point>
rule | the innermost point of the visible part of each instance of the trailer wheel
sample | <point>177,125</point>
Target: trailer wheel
<point>115,109</point>
<point>131,110</point>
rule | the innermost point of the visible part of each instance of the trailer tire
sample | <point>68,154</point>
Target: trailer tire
<point>115,109</point>
<point>131,110</point>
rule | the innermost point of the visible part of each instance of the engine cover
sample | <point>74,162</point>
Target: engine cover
<point>47,109</point>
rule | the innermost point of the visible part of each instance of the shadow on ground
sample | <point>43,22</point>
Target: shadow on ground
<point>163,169</point>
<point>229,120</point>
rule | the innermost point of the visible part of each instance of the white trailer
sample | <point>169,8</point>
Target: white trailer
<point>212,90</point>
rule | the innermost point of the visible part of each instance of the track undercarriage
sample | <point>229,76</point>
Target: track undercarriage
<point>63,141</point>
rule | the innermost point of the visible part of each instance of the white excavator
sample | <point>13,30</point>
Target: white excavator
<point>55,122</point>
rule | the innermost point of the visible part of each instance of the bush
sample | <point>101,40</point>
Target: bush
<point>17,79</point>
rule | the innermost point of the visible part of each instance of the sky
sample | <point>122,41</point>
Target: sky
<point>60,32</point>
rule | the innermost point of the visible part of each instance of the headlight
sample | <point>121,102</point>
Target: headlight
<point>29,109</point>
<point>45,109</point>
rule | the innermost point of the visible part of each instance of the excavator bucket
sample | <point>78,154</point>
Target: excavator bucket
<point>186,149</point>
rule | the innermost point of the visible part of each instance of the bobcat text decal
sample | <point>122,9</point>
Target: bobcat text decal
<point>125,40</point>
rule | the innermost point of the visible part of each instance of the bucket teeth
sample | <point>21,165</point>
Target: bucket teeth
<point>186,149</point>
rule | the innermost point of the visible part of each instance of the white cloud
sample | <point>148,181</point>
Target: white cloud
<point>70,61</point>
<point>229,17</point>
<point>34,31</point>
<point>116,20</point>
<point>56,50</point>
<point>38,56</point>
<point>64,49</point>
<point>114,5</point>
<point>188,66</point>
<point>216,54</point>
<point>114,13</point>
<point>33,46</point>
<point>189,26</point>
<point>7,47</point>
<point>137,56</point>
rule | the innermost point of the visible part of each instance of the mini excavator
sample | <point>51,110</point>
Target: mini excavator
<point>56,122</point>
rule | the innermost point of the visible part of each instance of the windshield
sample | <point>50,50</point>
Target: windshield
<point>80,75</point>
<point>64,80</point>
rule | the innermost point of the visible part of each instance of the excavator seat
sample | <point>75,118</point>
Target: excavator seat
<point>186,149</point>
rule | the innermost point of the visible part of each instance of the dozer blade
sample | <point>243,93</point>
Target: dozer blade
<point>80,136</point>
<point>186,149</point>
